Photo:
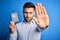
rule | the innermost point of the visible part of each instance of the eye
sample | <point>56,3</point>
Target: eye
<point>30,12</point>
<point>25,12</point>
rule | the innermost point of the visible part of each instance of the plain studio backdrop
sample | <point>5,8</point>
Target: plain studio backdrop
<point>52,8</point>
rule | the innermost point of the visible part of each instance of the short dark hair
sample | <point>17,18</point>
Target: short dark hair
<point>28,5</point>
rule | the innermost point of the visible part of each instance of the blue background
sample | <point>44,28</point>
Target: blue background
<point>52,8</point>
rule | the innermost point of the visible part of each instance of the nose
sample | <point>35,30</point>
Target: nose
<point>28,15</point>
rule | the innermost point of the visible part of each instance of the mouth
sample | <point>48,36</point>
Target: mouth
<point>28,19</point>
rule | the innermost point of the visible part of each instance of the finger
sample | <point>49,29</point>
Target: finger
<point>37,10</point>
<point>40,8</point>
<point>11,26</point>
<point>12,23</point>
<point>44,11</point>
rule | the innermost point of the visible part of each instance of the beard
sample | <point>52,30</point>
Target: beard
<point>27,19</point>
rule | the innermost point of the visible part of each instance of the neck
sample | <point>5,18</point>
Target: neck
<point>28,22</point>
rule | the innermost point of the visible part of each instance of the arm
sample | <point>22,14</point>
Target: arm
<point>13,31</point>
<point>42,19</point>
<point>40,29</point>
<point>13,36</point>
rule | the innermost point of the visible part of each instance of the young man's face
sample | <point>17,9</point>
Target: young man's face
<point>28,14</point>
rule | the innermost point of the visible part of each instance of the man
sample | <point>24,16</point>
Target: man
<point>30,28</point>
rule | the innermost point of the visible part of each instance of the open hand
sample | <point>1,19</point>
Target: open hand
<point>42,18</point>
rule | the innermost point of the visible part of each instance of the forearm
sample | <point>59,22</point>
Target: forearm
<point>40,29</point>
<point>13,36</point>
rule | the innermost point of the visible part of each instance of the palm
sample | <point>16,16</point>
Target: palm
<point>42,20</point>
<point>41,16</point>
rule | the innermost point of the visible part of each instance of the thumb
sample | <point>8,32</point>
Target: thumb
<point>12,23</point>
<point>35,19</point>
